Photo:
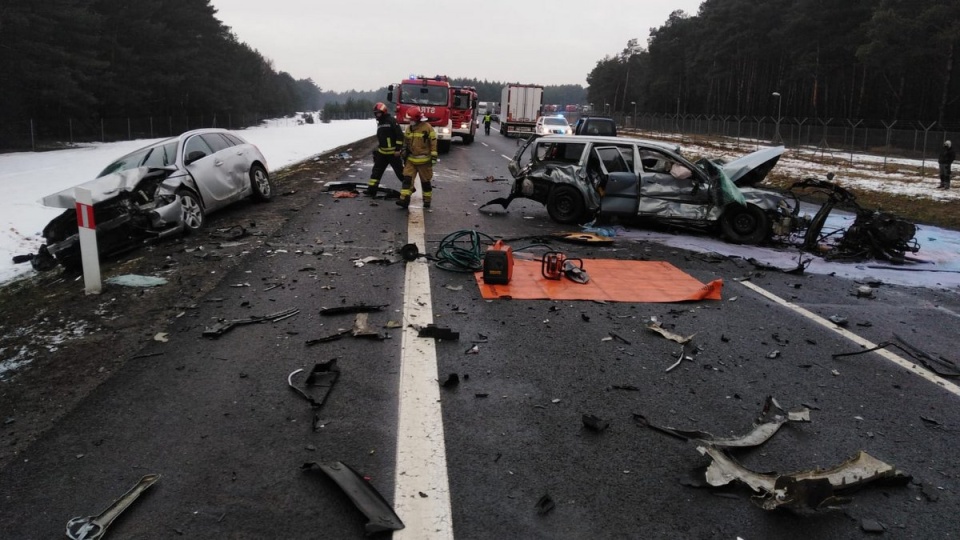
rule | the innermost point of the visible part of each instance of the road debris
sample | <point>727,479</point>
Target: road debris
<point>545,504</point>
<point>94,527</point>
<point>656,327</point>
<point>437,332</point>
<point>224,326</point>
<point>318,385</point>
<point>349,310</point>
<point>365,497</point>
<point>594,423</point>
<point>134,280</point>
<point>361,328</point>
<point>326,339</point>
<point>452,381</point>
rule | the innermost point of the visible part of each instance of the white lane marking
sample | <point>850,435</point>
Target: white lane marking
<point>905,364</point>
<point>506,157</point>
<point>483,143</point>
<point>421,451</point>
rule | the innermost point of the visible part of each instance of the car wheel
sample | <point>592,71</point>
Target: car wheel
<point>191,211</point>
<point>745,224</point>
<point>260,182</point>
<point>443,146</point>
<point>565,205</point>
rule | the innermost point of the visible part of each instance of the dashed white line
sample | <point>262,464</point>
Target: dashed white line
<point>422,493</point>
<point>905,364</point>
<point>506,157</point>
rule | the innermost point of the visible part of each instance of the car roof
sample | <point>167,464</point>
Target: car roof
<point>609,140</point>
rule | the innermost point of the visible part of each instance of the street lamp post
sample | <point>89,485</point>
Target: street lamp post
<point>606,108</point>
<point>776,135</point>
<point>634,103</point>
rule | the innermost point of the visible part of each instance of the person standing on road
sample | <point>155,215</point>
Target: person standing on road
<point>947,155</point>
<point>420,147</point>
<point>389,148</point>
<point>486,123</point>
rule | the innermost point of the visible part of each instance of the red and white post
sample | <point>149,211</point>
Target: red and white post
<point>89,254</point>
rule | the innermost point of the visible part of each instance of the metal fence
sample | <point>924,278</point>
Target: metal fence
<point>48,134</point>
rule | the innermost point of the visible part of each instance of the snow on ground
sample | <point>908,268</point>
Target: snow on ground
<point>28,176</point>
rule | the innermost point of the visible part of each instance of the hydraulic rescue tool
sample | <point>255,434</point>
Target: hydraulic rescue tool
<point>555,265</point>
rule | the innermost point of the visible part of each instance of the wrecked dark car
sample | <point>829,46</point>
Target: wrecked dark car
<point>159,191</point>
<point>586,177</point>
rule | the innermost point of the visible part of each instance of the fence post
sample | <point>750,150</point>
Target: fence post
<point>129,131</point>
<point>740,120</point>
<point>758,121</point>
<point>886,142</point>
<point>853,136</point>
<point>151,127</point>
<point>823,138</point>
<point>923,161</point>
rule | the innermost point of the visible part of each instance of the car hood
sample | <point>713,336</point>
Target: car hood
<point>751,169</point>
<point>101,189</point>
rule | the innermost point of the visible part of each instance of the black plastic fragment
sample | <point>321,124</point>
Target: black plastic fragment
<point>318,383</point>
<point>452,381</point>
<point>358,308</point>
<point>436,332</point>
<point>545,504</point>
<point>595,423</point>
<point>363,495</point>
<point>327,339</point>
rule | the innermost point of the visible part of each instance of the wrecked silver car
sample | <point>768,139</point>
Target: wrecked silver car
<point>161,190</point>
<point>581,178</point>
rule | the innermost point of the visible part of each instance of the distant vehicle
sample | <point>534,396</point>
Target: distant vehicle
<point>553,125</point>
<point>570,108</point>
<point>161,190</point>
<point>580,178</point>
<point>520,106</point>
<point>464,112</point>
<point>595,125</point>
<point>433,96</point>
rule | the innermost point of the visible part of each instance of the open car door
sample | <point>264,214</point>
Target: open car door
<point>619,187</point>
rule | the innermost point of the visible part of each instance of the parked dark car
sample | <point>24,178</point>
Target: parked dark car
<point>160,190</point>
<point>580,178</point>
<point>595,125</point>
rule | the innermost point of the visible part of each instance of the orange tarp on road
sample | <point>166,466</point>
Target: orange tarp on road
<point>610,280</point>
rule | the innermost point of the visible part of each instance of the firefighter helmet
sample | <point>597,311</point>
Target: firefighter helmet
<point>413,113</point>
<point>380,108</point>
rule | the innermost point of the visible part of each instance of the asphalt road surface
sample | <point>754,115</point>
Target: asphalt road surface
<point>505,453</point>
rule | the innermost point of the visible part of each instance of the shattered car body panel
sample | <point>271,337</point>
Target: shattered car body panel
<point>163,189</point>
<point>613,177</point>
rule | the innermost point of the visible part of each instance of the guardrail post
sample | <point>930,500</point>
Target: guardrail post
<point>89,254</point>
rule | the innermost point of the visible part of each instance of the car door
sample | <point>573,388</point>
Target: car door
<point>209,171</point>
<point>235,164</point>
<point>618,185</point>
<point>671,187</point>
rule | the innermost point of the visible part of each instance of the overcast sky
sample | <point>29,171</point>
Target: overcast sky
<point>367,44</point>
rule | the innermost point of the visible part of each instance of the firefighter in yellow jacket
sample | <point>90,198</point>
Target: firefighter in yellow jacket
<point>420,146</point>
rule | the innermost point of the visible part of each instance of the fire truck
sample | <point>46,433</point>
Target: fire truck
<point>433,96</point>
<point>464,112</point>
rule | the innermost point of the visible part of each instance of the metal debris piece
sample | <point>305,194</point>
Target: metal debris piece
<point>94,527</point>
<point>318,385</point>
<point>941,366</point>
<point>326,339</point>
<point>361,329</point>
<point>349,310</point>
<point>656,327</point>
<point>363,495</point>
<point>594,423</point>
<point>803,491</point>
<point>838,320</point>
<point>619,338</point>
<point>767,424</point>
<point>223,327</point>
<point>473,350</point>
<point>436,332</point>
<point>545,504</point>
<point>680,359</point>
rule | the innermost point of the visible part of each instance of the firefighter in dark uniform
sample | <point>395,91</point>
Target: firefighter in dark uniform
<point>389,148</point>
<point>420,147</point>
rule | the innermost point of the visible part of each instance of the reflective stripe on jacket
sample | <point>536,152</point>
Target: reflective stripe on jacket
<point>389,135</point>
<point>421,143</point>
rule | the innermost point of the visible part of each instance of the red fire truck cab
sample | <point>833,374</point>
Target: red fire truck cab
<point>463,114</point>
<point>433,96</point>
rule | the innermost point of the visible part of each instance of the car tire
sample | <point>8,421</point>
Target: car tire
<point>260,183</point>
<point>443,146</point>
<point>192,215</point>
<point>565,205</point>
<point>745,224</point>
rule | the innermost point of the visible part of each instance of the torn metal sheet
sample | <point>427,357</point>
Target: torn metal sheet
<point>318,383</point>
<point>223,327</point>
<point>94,527</point>
<point>656,327</point>
<point>803,491</point>
<point>771,419</point>
<point>347,310</point>
<point>363,495</point>
<point>361,328</point>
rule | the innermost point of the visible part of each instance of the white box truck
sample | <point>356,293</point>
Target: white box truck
<point>520,106</point>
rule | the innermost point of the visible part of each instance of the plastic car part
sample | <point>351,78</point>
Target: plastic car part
<point>358,308</point>
<point>319,382</point>
<point>223,327</point>
<point>803,491</point>
<point>436,332</point>
<point>363,495</point>
<point>93,527</point>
